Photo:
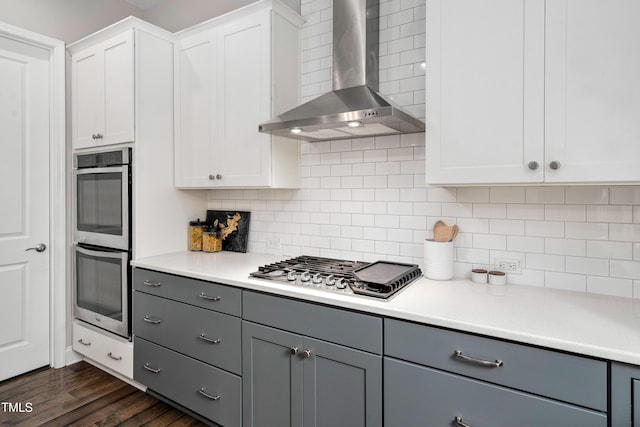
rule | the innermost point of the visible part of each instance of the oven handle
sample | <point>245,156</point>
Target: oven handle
<point>107,253</point>
<point>107,169</point>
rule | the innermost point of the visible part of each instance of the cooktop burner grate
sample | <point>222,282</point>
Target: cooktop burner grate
<point>380,279</point>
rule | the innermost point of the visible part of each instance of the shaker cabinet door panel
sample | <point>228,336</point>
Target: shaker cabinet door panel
<point>244,101</point>
<point>592,90</point>
<point>342,386</point>
<point>485,87</point>
<point>86,90</point>
<point>196,103</point>
<point>272,377</point>
<point>118,90</point>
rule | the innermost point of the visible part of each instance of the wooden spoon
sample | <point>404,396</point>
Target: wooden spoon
<point>441,232</point>
<point>454,232</point>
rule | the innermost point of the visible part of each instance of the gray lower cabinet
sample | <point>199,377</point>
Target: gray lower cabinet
<point>291,379</point>
<point>625,395</point>
<point>187,343</point>
<point>416,395</point>
<point>452,378</point>
<point>204,389</point>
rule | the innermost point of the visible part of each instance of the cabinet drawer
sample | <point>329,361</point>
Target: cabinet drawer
<point>109,351</point>
<point>209,295</point>
<point>330,324</point>
<point>208,391</point>
<point>561,376</point>
<point>211,337</point>
<point>413,394</point>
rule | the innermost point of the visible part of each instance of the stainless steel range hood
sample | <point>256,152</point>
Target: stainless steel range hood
<point>353,109</point>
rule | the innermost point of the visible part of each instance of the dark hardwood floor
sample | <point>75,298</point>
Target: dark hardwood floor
<point>82,395</point>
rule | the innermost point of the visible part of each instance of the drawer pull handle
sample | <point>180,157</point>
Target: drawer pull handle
<point>114,357</point>
<point>487,363</point>
<point>148,319</point>
<point>205,296</point>
<point>152,284</point>
<point>460,423</point>
<point>203,392</point>
<point>148,367</point>
<point>83,342</point>
<point>203,337</point>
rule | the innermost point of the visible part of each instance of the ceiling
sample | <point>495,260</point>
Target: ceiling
<point>145,4</point>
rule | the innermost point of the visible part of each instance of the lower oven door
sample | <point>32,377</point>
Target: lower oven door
<point>101,288</point>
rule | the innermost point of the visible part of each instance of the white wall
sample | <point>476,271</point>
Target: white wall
<point>66,20</point>
<point>366,199</point>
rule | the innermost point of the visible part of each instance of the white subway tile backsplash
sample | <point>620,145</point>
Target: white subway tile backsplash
<point>544,195</point>
<point>506,195</point>
<point>586,230</point>
<point>545,262</point>
<point>566,281</point>
<point>587,195</point>
<point>565,247</point>
<point>523,211</point>
<point>544,228</point>
<point>624,232</point>
<point>610,286</point>
<point>625,195</point>
<point>564,213</point>
<point>366,199</point>
<point>588,266</point>
<point>617,213</point>
<point>610,250</point>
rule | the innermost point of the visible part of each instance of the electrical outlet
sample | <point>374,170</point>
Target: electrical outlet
<point>507,265</point>
<point>274,244</point>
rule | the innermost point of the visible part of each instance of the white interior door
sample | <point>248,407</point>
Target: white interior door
<point>25,90</point>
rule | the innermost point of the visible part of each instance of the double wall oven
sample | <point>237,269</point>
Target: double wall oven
<point>102,239</point>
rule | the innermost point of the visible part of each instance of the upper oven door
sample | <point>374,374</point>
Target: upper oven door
<point>101,206</point>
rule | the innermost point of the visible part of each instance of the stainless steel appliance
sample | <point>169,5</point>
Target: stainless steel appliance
<point>354,108</point>
<point>102,290</point>
<point>102,189</point>
<point>102,239</point>
<point>380,279</point>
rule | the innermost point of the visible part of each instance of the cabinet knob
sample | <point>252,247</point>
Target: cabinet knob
<point>218,176</point>
<point>533,165</point>
<point>306,354</point>
<point>555,165</point>
<point>97,136</point>
<point>293,351</point>
<point>212,177</point>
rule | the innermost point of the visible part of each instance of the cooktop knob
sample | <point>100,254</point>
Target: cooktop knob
<point>305,276</point>
<point>292,276</point>
<point>317,278</point>
<point>330,280</point>
<point>341,283</point>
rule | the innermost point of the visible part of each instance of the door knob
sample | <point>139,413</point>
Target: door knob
<point>40,247</point>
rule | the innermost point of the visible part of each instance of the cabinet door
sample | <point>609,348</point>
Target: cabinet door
<point>272,377</point>
<point>243,155</point>
<point>485,87</point>
<point>118,103</point>
<point>195,109</point>
<point>86,90</point>
<point>342,386</point>
<point>103,94</point>
<point>592,90</point>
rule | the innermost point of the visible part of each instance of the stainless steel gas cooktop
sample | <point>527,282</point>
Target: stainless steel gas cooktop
<point>379,279</point>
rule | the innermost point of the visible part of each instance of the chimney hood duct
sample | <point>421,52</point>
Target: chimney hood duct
<point>353,109</point>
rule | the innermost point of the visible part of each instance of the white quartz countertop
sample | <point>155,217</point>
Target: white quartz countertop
<point>594,325</point>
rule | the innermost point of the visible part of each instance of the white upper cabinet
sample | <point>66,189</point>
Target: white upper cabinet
<point>230,76</point>
<point>102,78</point>
<point>533,92</point>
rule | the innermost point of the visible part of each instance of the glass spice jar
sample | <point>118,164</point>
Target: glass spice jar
<point>196,229</point>
<point>211,241</point>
